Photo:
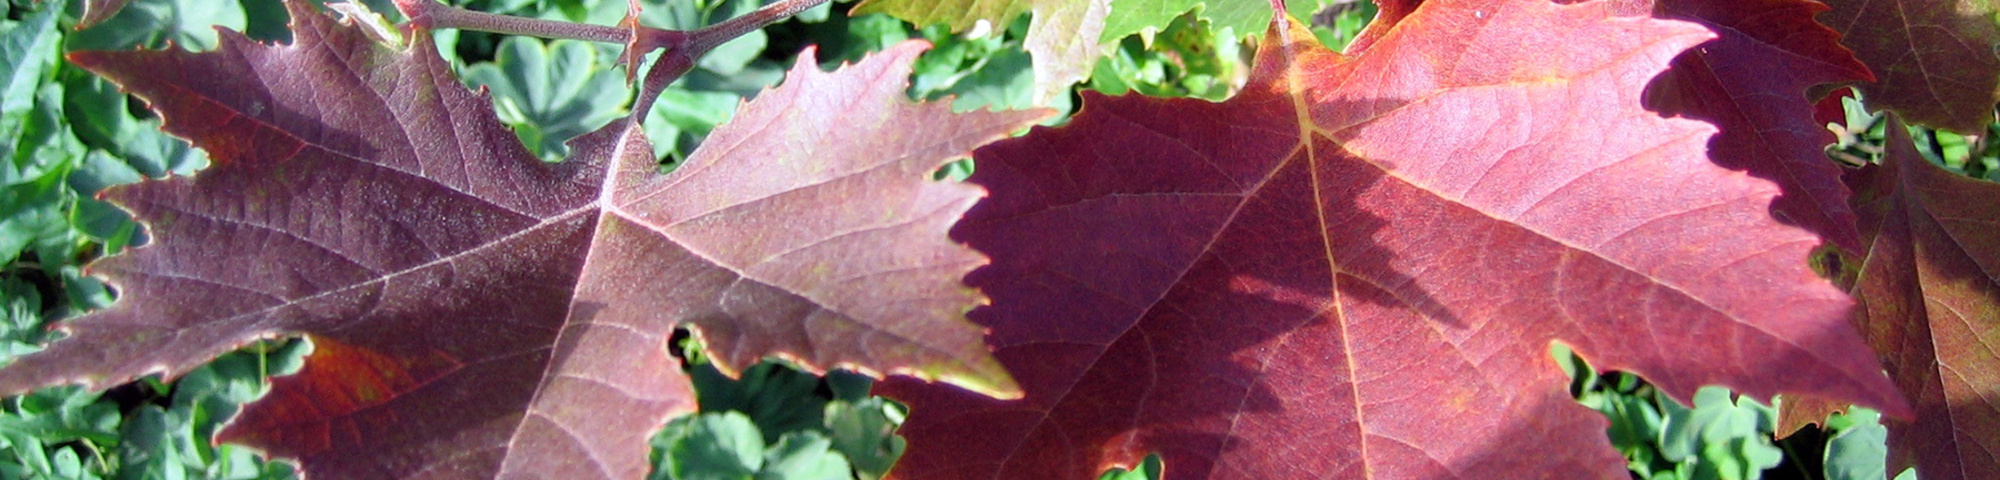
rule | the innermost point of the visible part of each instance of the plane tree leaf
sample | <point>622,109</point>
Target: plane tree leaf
<point>1935,61</point>
<point>1928,285</point>
<point>1356,266</point>
<point>479,313</point>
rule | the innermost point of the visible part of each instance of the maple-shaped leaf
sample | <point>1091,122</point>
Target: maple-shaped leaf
<point>1929,292</point>
<point>479,313</point>
<point>1062,34</point>
<point>1356,266</point>
<point>1935,61</point>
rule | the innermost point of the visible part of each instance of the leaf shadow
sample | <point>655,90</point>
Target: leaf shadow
<point>1764,114</point>
<point>1139,304</point>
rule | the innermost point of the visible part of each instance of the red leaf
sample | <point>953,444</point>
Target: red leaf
<point>482,313</point>
<point>1751,82</point>
<point>1355,268</point>
<point>1934,60</point>
<point>1929,290</point>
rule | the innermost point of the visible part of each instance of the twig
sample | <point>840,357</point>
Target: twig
<point>431,15</point>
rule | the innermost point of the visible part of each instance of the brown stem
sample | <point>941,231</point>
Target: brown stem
<point>429,14</point>
<point>712,35</point>
<point>684,47</point>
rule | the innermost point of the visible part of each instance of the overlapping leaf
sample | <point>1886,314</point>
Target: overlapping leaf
<point>1354,268</point>
<point>479,313</point>
<point>1934,60</point>
<point>1929,288</point>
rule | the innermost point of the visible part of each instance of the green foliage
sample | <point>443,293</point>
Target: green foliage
<point>551,92</point>
<point>188,23</point>
<point>1235,17</point>
<point>1187,59</point>
<point>43,433</point>
<point>1721,437</point>
<point>1860,135</point>
<point>1193,55</point>
<point>167,437</point>
<point>776,422</point>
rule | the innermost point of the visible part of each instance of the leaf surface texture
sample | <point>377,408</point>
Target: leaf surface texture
<point>1355,267</point>
<point>478,312</point>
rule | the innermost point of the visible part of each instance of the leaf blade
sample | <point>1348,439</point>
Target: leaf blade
<point>467,298</point>
<point>1365,256</point>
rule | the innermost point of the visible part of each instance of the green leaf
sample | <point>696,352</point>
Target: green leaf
<point>66,464</point>
<point>189,24</point>
<point>96,112</point>
<point>95,217</point>
<point>20,318</point>
<point>803,456</point>
<point>31,213</point>
<point>1061,37</point>
<point>717,446</point>
<point>726,59</point>
<point>53,417</point>
<point>1724,436</point>
<point>1240,17</point>
<point>554,91</point>
<point>27,54</point>
<point>1860,450</point>
<point>1187,58</point>
<point>682,117</point>
<point>777,399</point>
<point>146,451</point>
<point>991,72</point>
<point>864,432</point>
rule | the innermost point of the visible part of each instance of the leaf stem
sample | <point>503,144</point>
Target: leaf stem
<point>717,34</point>
<point>683,48</point>
<point>429,14</point>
